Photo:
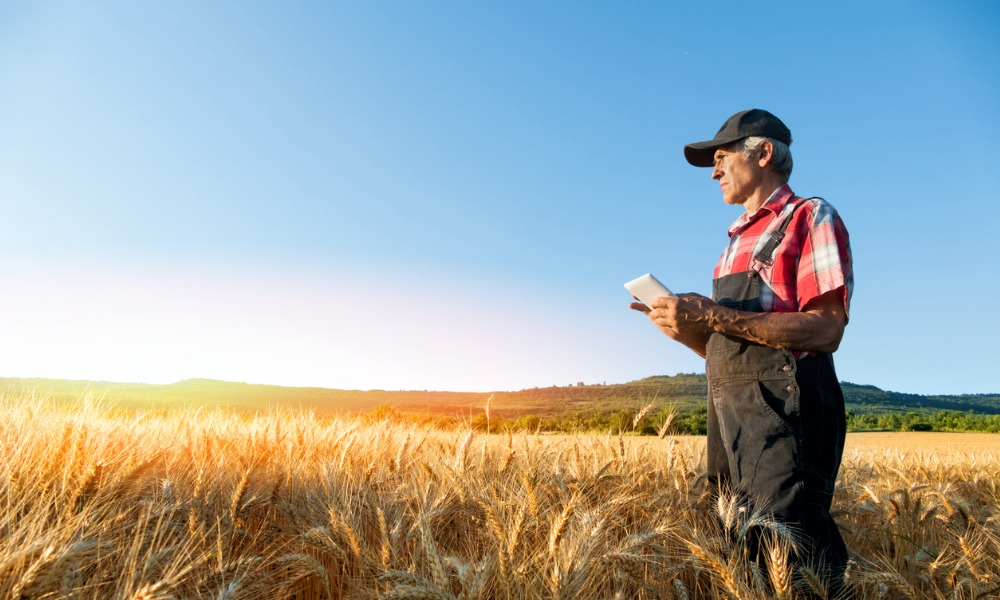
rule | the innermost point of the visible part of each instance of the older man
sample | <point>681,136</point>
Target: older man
<point>779,305</point>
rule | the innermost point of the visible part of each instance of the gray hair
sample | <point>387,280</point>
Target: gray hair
<point>781,162</point>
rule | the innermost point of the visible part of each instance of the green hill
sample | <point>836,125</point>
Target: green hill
<point>684,392</point>
<point>868,398</point>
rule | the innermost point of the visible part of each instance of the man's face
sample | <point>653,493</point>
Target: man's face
<point>738,177</point>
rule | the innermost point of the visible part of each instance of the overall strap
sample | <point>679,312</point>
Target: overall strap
<point>766,251</point>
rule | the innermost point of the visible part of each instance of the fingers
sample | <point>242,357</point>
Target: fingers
<point>639,306</point>
<point>663,316</point>
<point>664,302</point>
<point>665,324</point>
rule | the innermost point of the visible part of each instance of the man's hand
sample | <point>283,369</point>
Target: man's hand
<point>684,314</point>
<point>684,318</point>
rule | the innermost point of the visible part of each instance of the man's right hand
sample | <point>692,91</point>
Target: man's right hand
<point>682,318</point>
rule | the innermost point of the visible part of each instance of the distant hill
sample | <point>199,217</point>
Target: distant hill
<point>684,392</point>
<point>872,399</point>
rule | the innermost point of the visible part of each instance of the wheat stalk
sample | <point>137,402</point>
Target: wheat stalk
<point>665,427</point>
<point>462,452</point>
<point>559,527</point>
<point>239,493</point>
<point>639,416</point>
<point>779,569</point>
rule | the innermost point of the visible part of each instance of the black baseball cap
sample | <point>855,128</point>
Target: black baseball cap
<point>741,125</point>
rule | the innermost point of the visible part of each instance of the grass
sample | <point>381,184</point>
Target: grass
<point>211,504</point>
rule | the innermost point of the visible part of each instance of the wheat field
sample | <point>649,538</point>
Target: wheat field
<point>99,504</point>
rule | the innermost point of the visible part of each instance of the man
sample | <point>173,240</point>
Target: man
<point>779,305</point>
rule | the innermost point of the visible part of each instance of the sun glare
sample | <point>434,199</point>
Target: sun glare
<point>165,327</point>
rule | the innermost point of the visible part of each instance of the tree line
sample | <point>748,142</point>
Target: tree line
<point>666,420</point>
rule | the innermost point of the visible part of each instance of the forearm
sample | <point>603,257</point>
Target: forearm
<point>802,331</point>
<point>691,318</point>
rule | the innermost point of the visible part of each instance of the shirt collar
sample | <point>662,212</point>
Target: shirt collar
<point>775,202</point>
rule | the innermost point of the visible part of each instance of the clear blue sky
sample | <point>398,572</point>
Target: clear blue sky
<point>450,195</point>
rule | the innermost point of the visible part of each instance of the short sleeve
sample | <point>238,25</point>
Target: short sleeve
<point>826,263</point>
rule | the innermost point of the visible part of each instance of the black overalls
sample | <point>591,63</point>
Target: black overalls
<point>776,425</point>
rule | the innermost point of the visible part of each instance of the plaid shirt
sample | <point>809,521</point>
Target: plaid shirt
<point>813,258</point>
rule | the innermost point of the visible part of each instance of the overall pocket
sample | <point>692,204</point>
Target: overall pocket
<point>775,399</point>
<point>722,345</point>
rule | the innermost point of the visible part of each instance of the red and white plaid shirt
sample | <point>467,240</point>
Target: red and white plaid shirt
<point>813,258</point>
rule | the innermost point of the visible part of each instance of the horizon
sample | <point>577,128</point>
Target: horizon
<point>433,391</point>
<point>451,197</point>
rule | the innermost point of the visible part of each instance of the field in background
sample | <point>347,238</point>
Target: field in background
<point>213,504</point>
<point>982,444</point>
<point>680,393</point>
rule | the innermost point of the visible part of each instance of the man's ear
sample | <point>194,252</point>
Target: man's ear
<point>765,153</point>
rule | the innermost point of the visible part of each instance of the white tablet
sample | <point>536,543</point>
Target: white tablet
<point>648,288</point>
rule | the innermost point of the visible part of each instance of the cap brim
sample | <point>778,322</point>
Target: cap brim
<point>702,154</point>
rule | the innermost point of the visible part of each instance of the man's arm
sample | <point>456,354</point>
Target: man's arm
<point>691,318</point>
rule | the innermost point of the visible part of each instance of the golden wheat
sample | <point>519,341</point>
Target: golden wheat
<point>101,504</point>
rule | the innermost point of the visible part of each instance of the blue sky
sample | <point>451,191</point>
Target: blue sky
<point>450,195</point>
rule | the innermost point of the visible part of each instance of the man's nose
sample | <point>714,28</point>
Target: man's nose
<point>716,173</point>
